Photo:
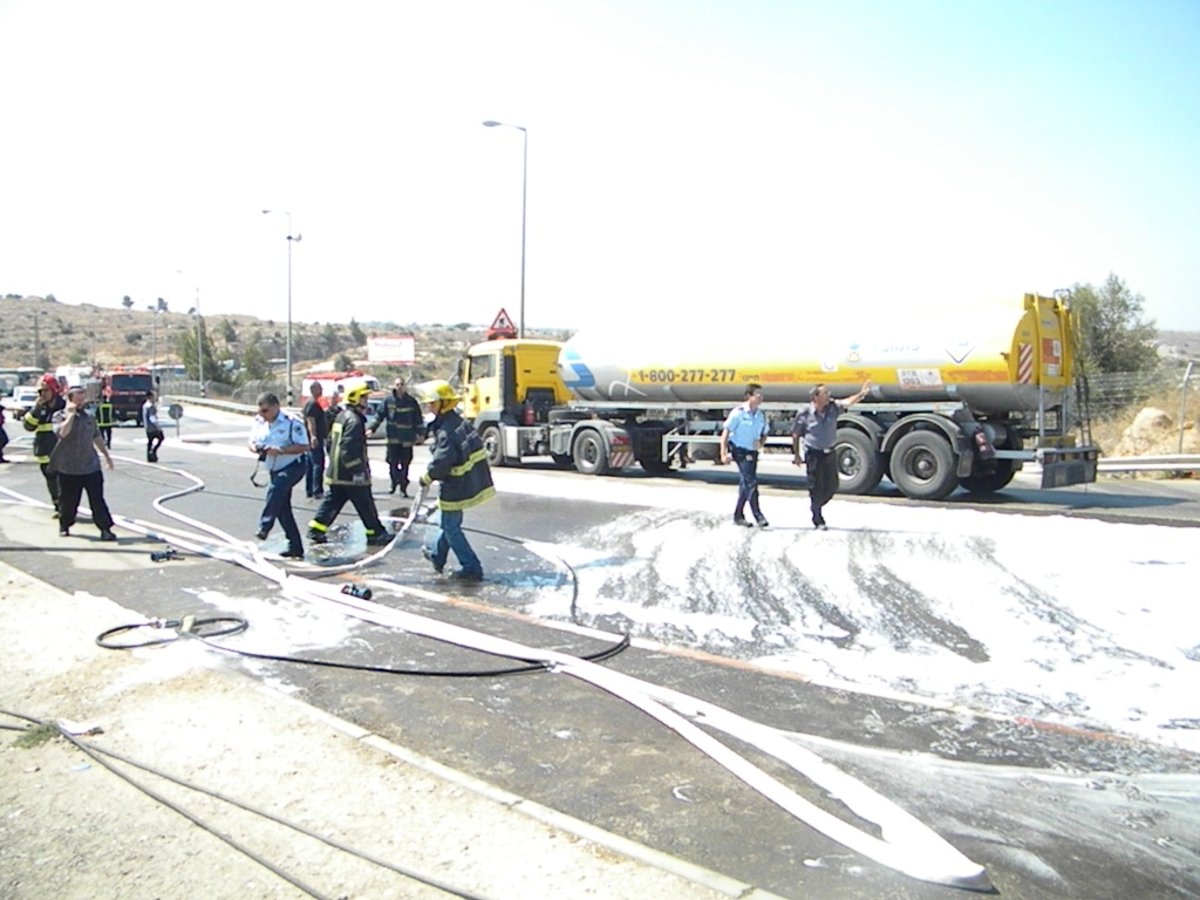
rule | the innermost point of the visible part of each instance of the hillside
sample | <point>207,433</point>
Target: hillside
<point>46,333</point>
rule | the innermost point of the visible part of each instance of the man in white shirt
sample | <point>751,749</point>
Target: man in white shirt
<point>154,432</point>
<point>742,439</point>
<point>281,442</point>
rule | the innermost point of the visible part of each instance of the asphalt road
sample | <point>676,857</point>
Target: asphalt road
<point>1049,812</point>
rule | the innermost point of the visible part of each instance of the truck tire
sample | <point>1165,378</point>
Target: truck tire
<point>923,466</point>
<point>492,443</point>
<point>992,481</point>
<point>590,456</point>
<point>860,467</point>
<point>1003,471</point>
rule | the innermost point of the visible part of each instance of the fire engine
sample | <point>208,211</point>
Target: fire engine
<point>126,388</point>
<point>332,381</point>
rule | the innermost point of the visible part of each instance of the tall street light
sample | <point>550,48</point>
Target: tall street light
<point>195,311</point>
<point>524,184</point>
<point>291,238</point>
<point>154,345</point>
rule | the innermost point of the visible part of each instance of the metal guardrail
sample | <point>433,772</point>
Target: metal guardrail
<point>1172,462</point>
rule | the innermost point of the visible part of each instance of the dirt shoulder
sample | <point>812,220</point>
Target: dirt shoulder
<point>73,829</point>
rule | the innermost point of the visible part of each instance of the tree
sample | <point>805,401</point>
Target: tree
<point>329,336</point>
<point>228,332</point>
<point>185,345</point>
<point>344,362</point>
<point>357,333</point>
<point>254,364</point>
<point>1114,336</point>
<point>161,305</point>
<point>127,302</point>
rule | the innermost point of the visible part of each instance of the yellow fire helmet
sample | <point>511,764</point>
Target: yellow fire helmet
<point>438,393</point>
<point>357,395</point>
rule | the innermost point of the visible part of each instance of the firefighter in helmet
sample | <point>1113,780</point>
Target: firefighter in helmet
<point>459,462</point>
<point>348,472</point>
<point>402,414</point>
<point>39,420</point>
<point>104,415</point>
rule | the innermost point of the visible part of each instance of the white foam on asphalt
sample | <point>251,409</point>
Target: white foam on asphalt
<point>1085,622</point>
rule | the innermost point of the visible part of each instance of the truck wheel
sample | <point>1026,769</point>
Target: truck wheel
<point>923,466</point>
<point>590,455</point>
<point>490,435</point>
<point>859,465</point>
<point>992,481</point>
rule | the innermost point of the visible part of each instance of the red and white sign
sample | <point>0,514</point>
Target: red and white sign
<point>1052,356</point>
<point>1025,363</point>
<point>392,350</point>
<point>502,326</point>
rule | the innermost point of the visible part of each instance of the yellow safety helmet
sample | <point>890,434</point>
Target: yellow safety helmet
<point>438,393</point>
<point>357,395</point>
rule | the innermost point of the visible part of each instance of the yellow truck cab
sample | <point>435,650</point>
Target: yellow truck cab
<point>513,379</point>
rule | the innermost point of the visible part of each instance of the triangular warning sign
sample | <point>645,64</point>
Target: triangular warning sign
<point>502,326</point>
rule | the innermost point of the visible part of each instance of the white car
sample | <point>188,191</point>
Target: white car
<point>23,398</point>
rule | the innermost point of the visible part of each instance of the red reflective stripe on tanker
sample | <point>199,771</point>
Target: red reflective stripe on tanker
<point>1025,363</point>
<point>619,459</point>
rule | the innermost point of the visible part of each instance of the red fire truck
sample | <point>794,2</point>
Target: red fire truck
<point>126,388</point>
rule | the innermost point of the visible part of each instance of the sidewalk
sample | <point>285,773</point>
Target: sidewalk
<point>72,829</point>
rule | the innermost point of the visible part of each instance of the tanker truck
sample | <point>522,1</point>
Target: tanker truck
<point>962,400</point>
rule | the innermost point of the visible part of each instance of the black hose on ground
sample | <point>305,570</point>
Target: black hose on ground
<point>227,625</point>
<point>96,753</point>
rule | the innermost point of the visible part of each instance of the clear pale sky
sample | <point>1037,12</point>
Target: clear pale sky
<point>742,162</point>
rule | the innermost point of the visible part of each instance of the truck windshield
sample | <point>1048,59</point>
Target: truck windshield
<point>132,382</point>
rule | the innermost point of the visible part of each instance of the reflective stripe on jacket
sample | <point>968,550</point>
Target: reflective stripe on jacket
<point>459,461</point>
<point>348,463</point>
<point>39,420</point>
<point>403,418</point>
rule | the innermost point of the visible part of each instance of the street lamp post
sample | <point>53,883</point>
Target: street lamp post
<point>154,345</point>
<point>524,186</point>
<point>291,240</point>
<point>195,311</point>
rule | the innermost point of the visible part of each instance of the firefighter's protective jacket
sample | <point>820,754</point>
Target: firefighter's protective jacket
<point>459,461</point>
<point>403,417</point>
<point>104,412</point>
<point>39,420</point>
<point>348,462</point>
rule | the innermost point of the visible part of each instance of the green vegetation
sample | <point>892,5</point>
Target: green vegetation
<point>185,345</point>
<point>35,736</point>
<point>254,364</point>
<point>1115,338</point>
